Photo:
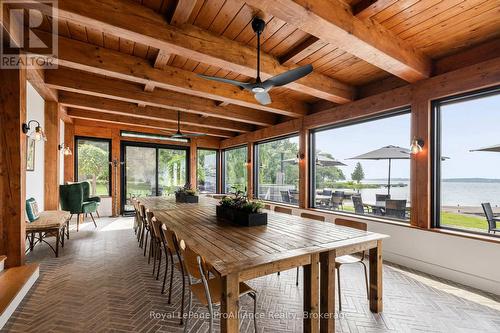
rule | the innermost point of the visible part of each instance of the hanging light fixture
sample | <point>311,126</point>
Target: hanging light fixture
<point>66,150</point>
<point>38,134</point>
<point>416,146</point>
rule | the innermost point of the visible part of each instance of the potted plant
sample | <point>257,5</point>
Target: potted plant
<point>241,211</point>
<point>186,194</point>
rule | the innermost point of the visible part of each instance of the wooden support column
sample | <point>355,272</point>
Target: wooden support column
<point>250,168</point>
<point>220,172</point>
<point>116,171</point>
<point>52,155</point>
<point>303,168</point>
<point>421,163</point>
<point>311,295</point>
<point>193,163</point>
<point>327,294</point>
<point>12,165</point>
<point>69,160</point>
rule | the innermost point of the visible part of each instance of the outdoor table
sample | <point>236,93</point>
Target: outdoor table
<point>238,254</point>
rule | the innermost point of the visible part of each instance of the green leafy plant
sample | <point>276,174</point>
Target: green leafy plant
<point>186,190</point>
<point>240,201</point>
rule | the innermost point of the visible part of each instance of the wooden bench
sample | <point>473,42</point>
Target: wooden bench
<point>50,223</point>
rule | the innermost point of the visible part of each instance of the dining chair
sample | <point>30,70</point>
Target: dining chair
<point>350,259</point>
<point>283,210</point>
<point>155,242</point>
<point>137,219</point>
<point>313,217</point>
<point>491,218</point>
<point>208,290</point>
<point>171,246</point>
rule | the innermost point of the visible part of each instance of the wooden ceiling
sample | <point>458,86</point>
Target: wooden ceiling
<point>139,59</point>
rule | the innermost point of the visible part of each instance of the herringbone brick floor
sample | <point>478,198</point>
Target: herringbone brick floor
<point>102,283</point>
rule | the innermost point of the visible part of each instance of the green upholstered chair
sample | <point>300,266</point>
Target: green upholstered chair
<point>72,200</point>
<point>88,198</point>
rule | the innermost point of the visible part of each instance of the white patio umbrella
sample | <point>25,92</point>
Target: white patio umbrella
<point>494,149</point>
<point>321,160</point>
<point>386,153</point>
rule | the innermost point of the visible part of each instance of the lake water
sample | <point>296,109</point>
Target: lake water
<point>452,193</point>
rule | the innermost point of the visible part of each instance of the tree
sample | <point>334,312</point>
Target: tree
<point>358,175</point>
<point>93,163</point>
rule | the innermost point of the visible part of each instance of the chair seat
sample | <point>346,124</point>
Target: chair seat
<point>215,287</point>
<point>347,259</point>
<point>89,207</point>
<point>94,199</point>
<point>51,219</point>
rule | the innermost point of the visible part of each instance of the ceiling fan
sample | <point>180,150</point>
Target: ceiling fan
<point>258,88</point>
<point>179,134</point>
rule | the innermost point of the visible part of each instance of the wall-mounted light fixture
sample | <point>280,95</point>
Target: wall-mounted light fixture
<point>38,134</point>
<point>66,150</point>
<point>416,145</point>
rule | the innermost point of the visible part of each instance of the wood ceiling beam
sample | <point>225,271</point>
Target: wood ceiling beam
<point>85,83</point>
<point>332,21</point>
<point>83,56</point>
<point>36,76</point>
<point>129,20</point>
<point>86,102</point>
<point>162,125</point>
<point>367,8</point>
<point>301,51</point>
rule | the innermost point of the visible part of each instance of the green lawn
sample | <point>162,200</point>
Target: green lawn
<point>463,221</point>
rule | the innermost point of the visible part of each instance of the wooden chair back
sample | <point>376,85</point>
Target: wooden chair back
<point>352,224</point>
<point>268,207</point>
<point>313,217</point>
<point>170,238</point>
<point>190,259</point>
<point>155,224</point>
<point>283,210</point>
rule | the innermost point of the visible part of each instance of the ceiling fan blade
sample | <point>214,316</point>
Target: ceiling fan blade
<point>287,77</point>
<point>243,85</point>
<point>193,135</point>
<point>263,98</point>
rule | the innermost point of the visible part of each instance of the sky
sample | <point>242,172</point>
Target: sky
<point>465,126</point>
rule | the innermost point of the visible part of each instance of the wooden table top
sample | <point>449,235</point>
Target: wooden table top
<point>230,248</point>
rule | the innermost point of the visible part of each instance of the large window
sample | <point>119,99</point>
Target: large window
<point>235,169</point>
<point>206,174</point>
<point>363,168</point>
<point>92,164</point>
<point>278,170</point>
<point>467,157</point>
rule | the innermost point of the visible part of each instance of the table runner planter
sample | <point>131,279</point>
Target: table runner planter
<point>241,217</point>
<point>184,198</point>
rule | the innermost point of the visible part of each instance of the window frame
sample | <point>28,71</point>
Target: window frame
<point>435,154</point>
<point>257,162</point>
<point>110,146</point>
<point>217,164</point>
<point>223,166</point>
<point>405,110</point>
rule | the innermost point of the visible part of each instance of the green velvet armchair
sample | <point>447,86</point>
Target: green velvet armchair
<point>88,198</point>
<point>72,200</point>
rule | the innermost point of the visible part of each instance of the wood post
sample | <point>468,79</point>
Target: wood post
<point>116,172</point>
<point>304,168</point>
<point>12,165</point>
<point>193,163</point>
<point>230,304</point>
<point>52,155</point>
<point>311,295</point>
<point>69,160</point>
<point>420,167</point>
<point>375,271</point>
<point>250,168</point>
<point>327,296</point>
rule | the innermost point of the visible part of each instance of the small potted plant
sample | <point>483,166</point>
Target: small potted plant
<point>241,211</point>
<point>186,194</point>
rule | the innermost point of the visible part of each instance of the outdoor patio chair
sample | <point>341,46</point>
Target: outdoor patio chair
<point>285,196</point>
<point>382,197</point>
<point>294,196</point>
<point>395,208</point>
<point>337,200</point>
<point>359,208</point>
<point>327,192</point>
<point>208,291</point>
<point>492,219</point>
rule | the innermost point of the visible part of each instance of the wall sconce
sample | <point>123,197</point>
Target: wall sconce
<point>416,146</point>
<point>38,134</point>
<point>66,150</point>
<point>299,157</point>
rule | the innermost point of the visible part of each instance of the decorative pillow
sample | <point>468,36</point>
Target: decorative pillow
<point>32,209</point>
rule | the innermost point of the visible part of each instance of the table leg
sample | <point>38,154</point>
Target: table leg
<point>230,304</point>
<point>311,295</point>
<point>327,292</point>
<point>376,278</point>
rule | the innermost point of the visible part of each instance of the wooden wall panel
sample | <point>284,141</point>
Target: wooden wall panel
<point>52,156</point>
<point>12,165</point>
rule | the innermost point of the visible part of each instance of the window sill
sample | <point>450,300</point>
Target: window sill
<point>277,203</point>
<point>464,234</point>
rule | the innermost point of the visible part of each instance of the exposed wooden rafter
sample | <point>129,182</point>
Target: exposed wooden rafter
<point>134,22</point>
<point>86,102</point>
<point>333,22</point>
<point>367,8</point>
<point>84,83</point>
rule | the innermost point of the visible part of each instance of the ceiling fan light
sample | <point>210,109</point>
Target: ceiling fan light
<point>258,90</point>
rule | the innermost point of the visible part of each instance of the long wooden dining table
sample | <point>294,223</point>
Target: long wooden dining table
<point>243,253</point>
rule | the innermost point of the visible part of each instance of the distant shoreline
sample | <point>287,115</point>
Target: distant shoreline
<point>446,180</point>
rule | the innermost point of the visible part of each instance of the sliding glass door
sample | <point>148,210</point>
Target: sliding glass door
<point>151,170</point>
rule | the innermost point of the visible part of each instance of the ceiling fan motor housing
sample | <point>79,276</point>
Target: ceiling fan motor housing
<point>258,25</point>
